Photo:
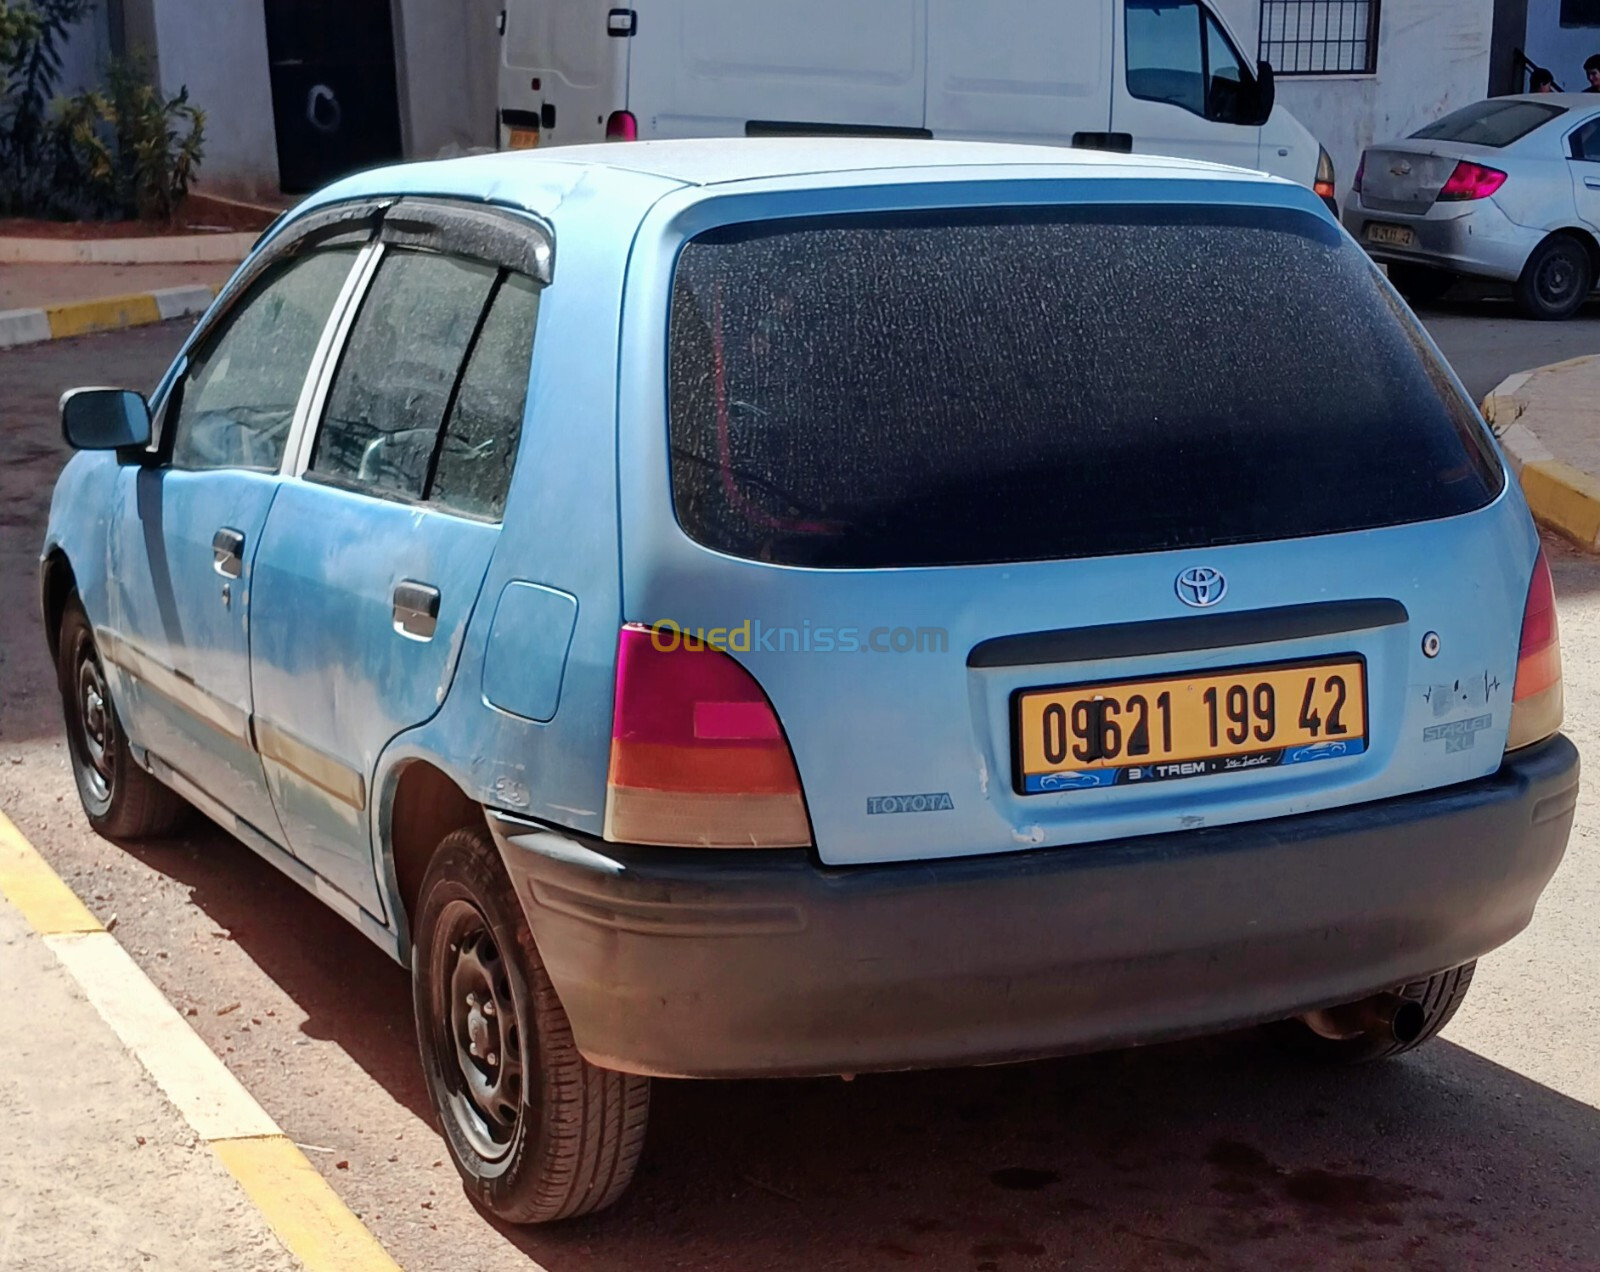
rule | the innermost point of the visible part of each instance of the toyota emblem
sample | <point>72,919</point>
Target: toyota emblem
<point>1201,586</point>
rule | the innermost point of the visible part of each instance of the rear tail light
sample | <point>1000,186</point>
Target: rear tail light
<point>1324,183</point>
<point>622,126</point>
<point>1536,700</point>
<point>1361,171</point>
<point>1471,181</point>
<point>698,757</point>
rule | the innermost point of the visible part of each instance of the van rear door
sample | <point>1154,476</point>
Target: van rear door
<point>562,72</point>
<point>722,68</point>
<point>1180,83</point>
<point>1033,70</point>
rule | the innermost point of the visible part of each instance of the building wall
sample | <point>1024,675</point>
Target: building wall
<point>1433,57</point>
<point>447,54</point>
<point>218,50</point>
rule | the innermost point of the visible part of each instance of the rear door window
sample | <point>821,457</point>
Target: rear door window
<point>1491,123</point>
<point>955,388</point>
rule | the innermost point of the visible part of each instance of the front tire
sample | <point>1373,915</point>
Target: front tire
<point>1556,280</point>
<point>1440,997</point>
<point>121,800</point>
<point>537,1132</point>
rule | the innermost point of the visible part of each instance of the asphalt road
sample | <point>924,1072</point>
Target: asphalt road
<point>1486,341</point>
<point>1483,1150</point>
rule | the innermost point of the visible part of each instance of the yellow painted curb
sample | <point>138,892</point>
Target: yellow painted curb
<point>297,1202</point>
<point>111,314</point>
<point>1564,498</point>
<point>49,906</point>
<point>303,1210</point>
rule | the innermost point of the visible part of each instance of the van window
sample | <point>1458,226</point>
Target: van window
<point>965,387</point>
<point>1178,54</point>
<point>1492,123</point>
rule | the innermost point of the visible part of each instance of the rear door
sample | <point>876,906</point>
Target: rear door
<point>1179,86</point>
<point>710,68</point>
<point>1019,70</point>
<point>370,564</point>
<point>563,71</point>
<point>1104,521</point>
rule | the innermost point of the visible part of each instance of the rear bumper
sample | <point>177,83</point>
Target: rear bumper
<point>1477,240</point>
<point>713,964</point>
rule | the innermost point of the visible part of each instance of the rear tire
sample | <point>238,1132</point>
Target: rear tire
<point>121,800</point>
<point>1440,996</point>
<point>1556,281</point>
<point>1421,284</point>
<point>537,1132</point>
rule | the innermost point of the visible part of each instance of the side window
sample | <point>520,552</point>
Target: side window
<point>1586,142</point>
<point>1225,76</point>
<point>239,396</point>
<point>1178,54</point>
<point>1166,62</point>
<point>398,372</point>
<point>480,438</point>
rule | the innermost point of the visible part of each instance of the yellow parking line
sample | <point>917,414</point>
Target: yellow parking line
<point>303,1210</point>
<point>50,907</point>
<point>115,312</point>
<point>297,1203</point>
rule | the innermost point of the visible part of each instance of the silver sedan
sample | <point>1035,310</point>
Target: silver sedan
<point>1505,189</point>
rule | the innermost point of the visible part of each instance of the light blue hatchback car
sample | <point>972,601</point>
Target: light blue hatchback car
<point>816,606</point>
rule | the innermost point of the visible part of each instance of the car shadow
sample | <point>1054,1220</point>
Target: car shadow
<point>1217,1152</point>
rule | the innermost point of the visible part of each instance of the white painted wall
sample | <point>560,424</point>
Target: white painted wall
<point>218,48</point>
<point>447,55</point>
<point>1433,57</point>
<point>1562,50</point>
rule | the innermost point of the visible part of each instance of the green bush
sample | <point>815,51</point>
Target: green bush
<point>130,150</point>
<point>32,33</point>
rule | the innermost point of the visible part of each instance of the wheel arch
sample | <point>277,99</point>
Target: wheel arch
<point>421,804</point>
<point>57,582</point>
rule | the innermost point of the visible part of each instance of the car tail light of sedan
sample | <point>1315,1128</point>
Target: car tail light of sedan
<point>1471,181</point>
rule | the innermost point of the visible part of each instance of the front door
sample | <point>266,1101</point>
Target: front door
<point>370,565</point>
<point>1179,85</point>
<point>334,102</point>
<point>188,529</point>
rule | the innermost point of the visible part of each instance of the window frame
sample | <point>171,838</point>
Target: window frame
<point>511,240</point>
<point>1373,32</point>
<point>1575,25</point>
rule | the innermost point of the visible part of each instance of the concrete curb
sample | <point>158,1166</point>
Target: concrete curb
<point>172,249</point>
<point>296,1202</point>
<point>81,318</point>
<point>1561,497</point>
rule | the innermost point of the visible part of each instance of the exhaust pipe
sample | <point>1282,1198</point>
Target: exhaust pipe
<point>1390,1016</point>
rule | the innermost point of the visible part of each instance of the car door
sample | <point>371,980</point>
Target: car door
<point>188,524</point>
<point>1181,85</point>
<point>371,561</point>
<point>1583,163</point>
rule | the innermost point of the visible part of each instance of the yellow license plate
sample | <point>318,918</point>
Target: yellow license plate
<point>1393,235</point>
<point>523,139</point>
<point>1139,731</point>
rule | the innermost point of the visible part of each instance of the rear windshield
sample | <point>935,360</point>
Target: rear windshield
<point>1042,383</point>
<point>1491,123</point>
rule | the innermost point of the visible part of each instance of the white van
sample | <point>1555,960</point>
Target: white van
<point>1157,76</point>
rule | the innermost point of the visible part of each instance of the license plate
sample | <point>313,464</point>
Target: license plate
<point>523,139</point>
<point>1392,235</point>
<point>1133,732</point>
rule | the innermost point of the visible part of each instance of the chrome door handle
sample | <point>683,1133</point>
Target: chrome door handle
<point>416,609</point>
<point>227,552</point>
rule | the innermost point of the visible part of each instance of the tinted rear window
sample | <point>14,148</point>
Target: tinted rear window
<point>1491,123</point>
<point>1049,383</point>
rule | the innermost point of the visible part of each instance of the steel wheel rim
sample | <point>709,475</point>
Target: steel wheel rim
<point>96,725</point>
<point>1558,280</point>
<point>480,1033</point>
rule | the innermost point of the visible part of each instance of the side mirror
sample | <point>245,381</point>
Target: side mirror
<point>1266,92</point>
<point>104,419</point>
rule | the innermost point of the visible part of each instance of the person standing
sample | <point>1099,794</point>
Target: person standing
<point>1541,81</point>
<point>1591,68</point>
